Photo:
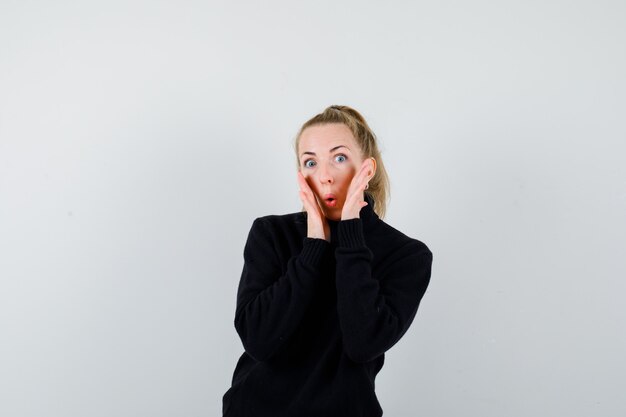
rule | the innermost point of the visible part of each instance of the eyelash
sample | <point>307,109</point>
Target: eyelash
<point>305,162</point>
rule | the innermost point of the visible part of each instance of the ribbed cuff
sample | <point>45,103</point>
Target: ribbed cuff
<point>351,233</point>
<point>313,250</point>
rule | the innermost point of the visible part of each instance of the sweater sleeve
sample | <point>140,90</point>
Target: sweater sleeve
<point>270,303</point>
<point>375,312</point>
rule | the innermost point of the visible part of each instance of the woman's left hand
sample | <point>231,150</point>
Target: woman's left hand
<point>354,197</point>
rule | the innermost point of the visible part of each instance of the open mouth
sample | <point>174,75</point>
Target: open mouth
<point>330,200</point>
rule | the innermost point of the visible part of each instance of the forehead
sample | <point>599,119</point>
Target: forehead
<point>321,138</point>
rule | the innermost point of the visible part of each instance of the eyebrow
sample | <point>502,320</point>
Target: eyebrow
<point>333,149</point>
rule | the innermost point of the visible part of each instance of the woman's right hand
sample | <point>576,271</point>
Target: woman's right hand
<point>317,226</point>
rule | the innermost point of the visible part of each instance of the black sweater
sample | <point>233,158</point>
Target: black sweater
<point>315,317</point>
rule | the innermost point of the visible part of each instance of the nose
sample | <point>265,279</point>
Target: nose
<point>325,175</point>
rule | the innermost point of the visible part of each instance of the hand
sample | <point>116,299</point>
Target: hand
<point>317,226</point>
<point>354,197</point>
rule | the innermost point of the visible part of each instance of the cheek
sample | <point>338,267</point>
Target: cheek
<point>311,180</point>
<point>307,176</point>
<point>305,173</point>
<point>348,173</point>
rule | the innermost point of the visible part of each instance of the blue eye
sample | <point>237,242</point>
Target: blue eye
<point>340,156</point>
<point>307,164</point>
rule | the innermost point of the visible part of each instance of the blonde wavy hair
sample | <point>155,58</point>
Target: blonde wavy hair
<point>379,187</point>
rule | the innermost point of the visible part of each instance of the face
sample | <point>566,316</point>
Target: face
<point>329,158</point>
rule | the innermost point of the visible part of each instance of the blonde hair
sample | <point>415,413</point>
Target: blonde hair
<point>379,188</point>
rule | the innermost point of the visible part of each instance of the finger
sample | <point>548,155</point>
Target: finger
<point>360,179</point>
<point>304,186</point>
<point>307,195</point>
<point>368,167</point>
<point>306,202</point>
<point>301,181</point>
<point>315,202</point>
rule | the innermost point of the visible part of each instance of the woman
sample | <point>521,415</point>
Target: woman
<point>326,291</point>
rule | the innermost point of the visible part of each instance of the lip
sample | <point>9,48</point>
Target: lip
<point>330,200</point>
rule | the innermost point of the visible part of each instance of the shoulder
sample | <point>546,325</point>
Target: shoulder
<point>398,256</point>
<point>280,225</point>
<point>277,236</point>
<point>278,221</point>
<point>399,242</point>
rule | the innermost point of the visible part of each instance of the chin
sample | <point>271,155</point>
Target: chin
<point>333,216</point>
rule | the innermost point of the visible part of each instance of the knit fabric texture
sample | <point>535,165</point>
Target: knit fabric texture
<point>315,317</point>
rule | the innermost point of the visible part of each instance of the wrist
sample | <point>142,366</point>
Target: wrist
<point>316,231</point>
<point>351,233</point>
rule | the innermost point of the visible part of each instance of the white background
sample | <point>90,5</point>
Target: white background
<point>139,140</point>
